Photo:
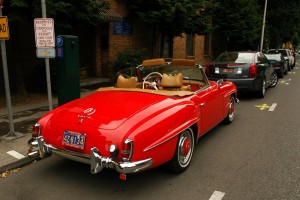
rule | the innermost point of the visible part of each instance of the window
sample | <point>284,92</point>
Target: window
<point>206,44</point>
<point>190,45</point>
<point>166,47</point>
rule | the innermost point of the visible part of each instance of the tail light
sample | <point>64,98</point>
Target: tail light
<point>207,69</point>
<point>36,130</point>
<point>127,149</point>
<point>252,70</point>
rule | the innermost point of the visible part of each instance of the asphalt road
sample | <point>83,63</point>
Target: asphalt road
<point>256,157</point>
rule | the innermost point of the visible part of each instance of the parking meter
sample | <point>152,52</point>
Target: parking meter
<point>67,68</point>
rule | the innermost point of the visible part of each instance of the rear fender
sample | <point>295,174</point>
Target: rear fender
<point>157,136</point>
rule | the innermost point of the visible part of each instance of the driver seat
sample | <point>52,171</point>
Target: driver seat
<point>123,82</point>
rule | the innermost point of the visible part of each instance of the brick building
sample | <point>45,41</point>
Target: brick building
<point>117,34</point>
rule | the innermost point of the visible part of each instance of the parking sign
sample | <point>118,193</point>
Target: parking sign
<point>44,32</point>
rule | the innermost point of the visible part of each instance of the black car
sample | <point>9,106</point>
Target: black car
<point>279,64</point>
<point>250,71</point>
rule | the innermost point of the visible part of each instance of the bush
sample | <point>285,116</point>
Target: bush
<point>130,58</point>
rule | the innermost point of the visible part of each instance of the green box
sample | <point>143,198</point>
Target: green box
<point>67,69</point>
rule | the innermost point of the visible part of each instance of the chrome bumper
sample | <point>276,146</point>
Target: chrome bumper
<point>37,146</point>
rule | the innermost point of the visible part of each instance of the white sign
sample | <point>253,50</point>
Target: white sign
<point>44,32</point>
<point>45,52</point>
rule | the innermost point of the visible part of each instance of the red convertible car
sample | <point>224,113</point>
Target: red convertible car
<point>154,115</point>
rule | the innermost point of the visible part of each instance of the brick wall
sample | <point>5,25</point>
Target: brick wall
<point>179,49</point>
<point>141,37</point>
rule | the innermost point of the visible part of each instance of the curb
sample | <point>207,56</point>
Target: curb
<point>18,163</point>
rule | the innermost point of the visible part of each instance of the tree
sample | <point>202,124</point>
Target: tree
<point>283,20</point>
<point>69,16</point>
<point>238,25</point>
<point>171,17</point>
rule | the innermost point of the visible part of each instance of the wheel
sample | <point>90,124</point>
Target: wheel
<point>262,91</point>
<point>153,84</point>
<point>183,153</point>
<point>281,73</point>
<point>231,110</point>
<point>274,80</point>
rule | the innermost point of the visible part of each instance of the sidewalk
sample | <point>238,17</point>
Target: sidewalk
<point>13,150</point>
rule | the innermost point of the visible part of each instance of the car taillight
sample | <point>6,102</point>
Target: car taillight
<point>207,69</point>
<point>252,70</point>
<point>127,149</point>
<point>36,130</point>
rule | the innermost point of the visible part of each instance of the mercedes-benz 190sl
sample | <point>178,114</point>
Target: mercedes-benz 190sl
<point>152,116</point>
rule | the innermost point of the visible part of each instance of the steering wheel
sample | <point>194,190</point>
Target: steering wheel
<point>154,83</point>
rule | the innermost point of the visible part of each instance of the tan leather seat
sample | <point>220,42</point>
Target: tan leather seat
<point>126,82</point>
<point>171,82</point>
<point>186,88</point>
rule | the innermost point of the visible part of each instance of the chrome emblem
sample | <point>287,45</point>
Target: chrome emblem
<point>89,111</point>
<point>86,114</point>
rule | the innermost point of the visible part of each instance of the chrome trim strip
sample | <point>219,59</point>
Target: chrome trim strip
<point>166,140</point>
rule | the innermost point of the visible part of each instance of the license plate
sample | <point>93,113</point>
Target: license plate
<point>227,70</point>
<point>74,139</point>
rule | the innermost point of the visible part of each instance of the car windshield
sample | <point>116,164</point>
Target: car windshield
<point>235,57</point>
<point>189,72</point>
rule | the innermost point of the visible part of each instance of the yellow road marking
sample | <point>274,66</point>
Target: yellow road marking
<point>263,106</point>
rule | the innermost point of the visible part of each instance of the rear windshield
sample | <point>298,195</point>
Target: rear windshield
<point>236,57</point>
<point>273,56</point>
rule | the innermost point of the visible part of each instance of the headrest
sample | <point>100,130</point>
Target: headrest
<point>172,81</point>
<point>126,82</point>
<point>183,62</point>
<point>153,62</point>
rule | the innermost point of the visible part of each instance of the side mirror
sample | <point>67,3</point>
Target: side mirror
<point>220,82</point>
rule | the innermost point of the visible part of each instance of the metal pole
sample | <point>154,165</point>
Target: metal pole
<point>11,132</point>
<point>48,77</point>
<point>263,27</point>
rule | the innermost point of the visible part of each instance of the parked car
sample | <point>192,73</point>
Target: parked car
<point>250,71</point>
<point>278,63</point>
<point>287,55</point>
<point>294,56</point>
<point>154,115</point>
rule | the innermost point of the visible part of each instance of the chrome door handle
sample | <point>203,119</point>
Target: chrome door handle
<point>202,104</point>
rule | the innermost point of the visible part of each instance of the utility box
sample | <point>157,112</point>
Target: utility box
<point>67,68</point>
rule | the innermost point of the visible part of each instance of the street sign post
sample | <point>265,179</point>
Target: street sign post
<point>4,34</point>
<point>44,37</point>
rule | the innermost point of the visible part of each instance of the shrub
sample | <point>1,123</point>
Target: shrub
<point>129,58</point>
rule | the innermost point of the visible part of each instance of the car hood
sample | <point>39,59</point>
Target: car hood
<point>105,110</point>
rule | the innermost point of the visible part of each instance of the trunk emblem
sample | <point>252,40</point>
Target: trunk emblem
<point>86,114</point>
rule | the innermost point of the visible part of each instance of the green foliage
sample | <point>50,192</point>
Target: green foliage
<point>67,14</point>
<point>239,23</point>
<point>172,17</point>
<point>18,3</point>
<point>130,58</point>
<point>283,20</point>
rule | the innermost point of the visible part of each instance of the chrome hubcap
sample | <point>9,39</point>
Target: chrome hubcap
<point>185,148</point>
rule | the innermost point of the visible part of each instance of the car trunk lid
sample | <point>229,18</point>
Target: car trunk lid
<point>229,70</point>
<point>105,110</point>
